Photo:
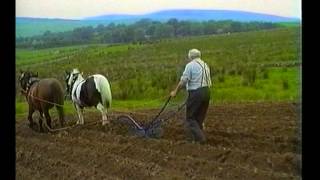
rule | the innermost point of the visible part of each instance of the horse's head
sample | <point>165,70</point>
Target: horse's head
<point>70,79</point>
<point>25,77</point>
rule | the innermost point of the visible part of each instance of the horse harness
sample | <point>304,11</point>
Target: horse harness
<point>81,104</point>
<point>31,81</point>
<point>72,82</point>
<point>75,77</point>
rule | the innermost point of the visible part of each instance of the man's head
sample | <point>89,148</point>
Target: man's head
<point>194,53</point>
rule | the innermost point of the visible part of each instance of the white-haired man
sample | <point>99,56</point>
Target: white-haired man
<point>196,77</point>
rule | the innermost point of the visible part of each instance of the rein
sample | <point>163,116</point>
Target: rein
<point>70,127</point>
<point>26,93</point>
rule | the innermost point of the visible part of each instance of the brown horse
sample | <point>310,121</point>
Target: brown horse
<point>42,95</point>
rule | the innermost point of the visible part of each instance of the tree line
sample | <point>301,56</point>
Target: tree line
<point>145,30</point>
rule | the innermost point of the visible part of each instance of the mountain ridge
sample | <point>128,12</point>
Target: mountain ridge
<point>199,15</point>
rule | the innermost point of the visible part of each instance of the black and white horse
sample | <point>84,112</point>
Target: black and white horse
<point>93,91</point>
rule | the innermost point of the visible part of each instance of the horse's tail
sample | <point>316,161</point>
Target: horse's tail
<point>105,91</point>
<point>57,91</point>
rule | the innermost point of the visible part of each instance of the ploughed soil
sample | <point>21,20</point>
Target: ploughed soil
<point>244,141</point>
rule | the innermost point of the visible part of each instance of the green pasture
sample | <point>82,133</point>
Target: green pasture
<point>142,75</point>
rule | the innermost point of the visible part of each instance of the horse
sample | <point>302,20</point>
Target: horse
<point>92,91</point>
<point>42,95</point>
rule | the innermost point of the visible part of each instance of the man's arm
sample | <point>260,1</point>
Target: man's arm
<point>176,90</point>
<point>186,76</point>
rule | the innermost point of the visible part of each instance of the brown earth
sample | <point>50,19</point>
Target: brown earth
<point>245,141</point>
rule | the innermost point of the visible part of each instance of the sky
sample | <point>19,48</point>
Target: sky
<point>77,9</point>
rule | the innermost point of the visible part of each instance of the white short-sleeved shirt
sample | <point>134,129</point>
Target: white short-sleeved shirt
<point>195,72</point>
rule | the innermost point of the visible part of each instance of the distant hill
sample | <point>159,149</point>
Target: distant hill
<point>199,15</point>
<point>26,27</point>
<point>36,26</point>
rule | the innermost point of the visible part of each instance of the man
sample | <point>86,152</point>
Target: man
<point>196,77</point>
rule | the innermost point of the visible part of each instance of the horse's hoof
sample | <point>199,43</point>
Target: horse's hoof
<point>204,126</point>
<point>32,126</point>
<point>105,123</point>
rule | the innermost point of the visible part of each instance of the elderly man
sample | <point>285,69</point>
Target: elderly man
<point>196,77</point>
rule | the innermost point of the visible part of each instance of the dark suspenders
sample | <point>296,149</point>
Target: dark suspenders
<point>203,69</point>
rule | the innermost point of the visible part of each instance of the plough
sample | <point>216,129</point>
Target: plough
<point>153,129</point>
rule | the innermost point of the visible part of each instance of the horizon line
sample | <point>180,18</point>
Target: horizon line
<point>151,12</point>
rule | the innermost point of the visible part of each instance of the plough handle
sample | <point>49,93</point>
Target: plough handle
<point>163,107</point>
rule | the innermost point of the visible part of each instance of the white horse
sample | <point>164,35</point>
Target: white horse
<point>93,91</point>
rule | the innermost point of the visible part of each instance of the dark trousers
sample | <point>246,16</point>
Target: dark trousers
<point>197,106</point>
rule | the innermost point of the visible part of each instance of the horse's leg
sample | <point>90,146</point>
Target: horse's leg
<point>48,118</point>
<point>31,111</point>
<point>41,114</point>
<point>82,118</point>
<point>80,115</point>
<point>75,106</point>
<point>61,115</point>
<point>40,120</point>
<point>103,111</point>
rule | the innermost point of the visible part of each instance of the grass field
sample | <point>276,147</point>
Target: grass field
<point>143,75</point>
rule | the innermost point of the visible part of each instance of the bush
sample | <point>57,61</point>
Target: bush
<point>221,78</point>
<point>249,77</point>
<point>245,82</point>
<point>222,71</point>
<point>232,71</point>
<point>239,72</point>
<point>285,84</point>
<point>240,69</point>
<point>265,74</point>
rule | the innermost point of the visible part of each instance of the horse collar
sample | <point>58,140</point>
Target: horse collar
<point>81,104</point>
<point>74,79</point>
<point>31,82</point>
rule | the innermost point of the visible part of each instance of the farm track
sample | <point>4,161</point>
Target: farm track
<point>245,141</point>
